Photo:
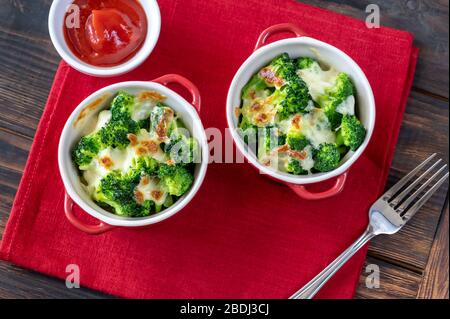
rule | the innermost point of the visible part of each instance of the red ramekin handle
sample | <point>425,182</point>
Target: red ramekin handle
<point>278,28</point>
<point>89,229</point>
<point>301,190</point>
<point>175,78</point>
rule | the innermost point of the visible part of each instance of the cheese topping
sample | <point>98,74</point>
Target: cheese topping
<point>347,107</point>
<point>149,189</point>
<point>317,79</point>
<point>316,128</point>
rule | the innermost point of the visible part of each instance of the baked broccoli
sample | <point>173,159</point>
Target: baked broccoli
<point>292,98</point>
<point>175,179</point>
<point>352,131</point>
<point>294,167</point>
<point>296,140</point>
<point>280,71</point>
<point>162,120</point>
<point>334,96</point>
<point>144,165</point>
<point>304,63</point>
<point>87,148</point>
<point>327,157</point>
<point>182,149</point>
<point>117,191</point>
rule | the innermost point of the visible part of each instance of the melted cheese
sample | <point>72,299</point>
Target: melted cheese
<point>316,128</point>
<point>317,79</point>
<point>103,118</point>
<point>347,107</point>
<point>260,110</point>
<point>308,163</point>
<point>108,160</point>
<point>142,110</point>
<point>150,189</point>
<point>149,145</point>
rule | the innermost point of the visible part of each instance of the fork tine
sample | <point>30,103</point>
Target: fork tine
<point>413,210</point>
<point>394,189</point>
<point>410,199</point>
<point>408,189</point>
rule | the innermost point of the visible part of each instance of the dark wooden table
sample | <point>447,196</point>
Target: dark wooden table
<point>413,263</point>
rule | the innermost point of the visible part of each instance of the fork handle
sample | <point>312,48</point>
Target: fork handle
<point>311,288</point>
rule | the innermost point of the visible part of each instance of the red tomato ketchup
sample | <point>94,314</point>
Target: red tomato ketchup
<point>110,31</point>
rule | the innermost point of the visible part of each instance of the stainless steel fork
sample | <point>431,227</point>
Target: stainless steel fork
<point>387,216</point>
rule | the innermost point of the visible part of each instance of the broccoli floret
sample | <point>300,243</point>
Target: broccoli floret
<point>281,68</point>
<point>255,84</point>
<point>117,191</point>
<point>115,133</point>
<point>122,107</point>
<point>162,120</point>
<point>175,179</point>
<point>327,157</point>
<point>296,140</point>
<point>294,167</point>
<point>144,165</point>
<point>293,98</point>
<point>182,149</point>
<point>304,63</point>
<point>334,96</point>
<point>87,148</point>
<point>352,131</point>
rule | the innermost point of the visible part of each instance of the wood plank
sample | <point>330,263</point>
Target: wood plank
<point>435,280</point>
<point>423,132</point>
<point>395,282</point>
<point>26,284</point>
<point>427,20</point>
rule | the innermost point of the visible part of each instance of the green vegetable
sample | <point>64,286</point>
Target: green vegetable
<point>176,179</point>
<point>117,191</point>
<point>353,132</point>
<point>294,167</point>
<point>296,140</point>
<point>304,63</point>
<point>327,157</point>
<point>88,147</point>
<point>334,96</point>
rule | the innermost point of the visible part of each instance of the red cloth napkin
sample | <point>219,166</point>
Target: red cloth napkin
<point>243,236</point>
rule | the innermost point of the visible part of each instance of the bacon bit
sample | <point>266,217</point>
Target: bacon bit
<point>266,162</point>
<point>270,77</point>
<point>133,139</point>
<point>139,197</point>
<point>170,162</point>
<point>161,128</point>
<point>262,118</point>
<point>141,151</point>
<point>256,107</point>
<point>253,94</point>
<point>283,149</point>
<point>237,111</point>
<point>145,180</point>
<point>156,194</point>
<point>151,146</point>
<point>298,155</point>
<point>296,121</point>
<point>106,162</point>
<point>151,95</point>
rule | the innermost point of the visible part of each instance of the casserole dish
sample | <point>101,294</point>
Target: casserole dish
<point>302,46</point>
<point>87,111</point>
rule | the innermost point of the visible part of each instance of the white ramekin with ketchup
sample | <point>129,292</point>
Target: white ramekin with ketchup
<point>104,38</point>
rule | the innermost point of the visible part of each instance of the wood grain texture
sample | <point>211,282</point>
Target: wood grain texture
<point>424,131</point>
<point>435,280</point>
<point>28,62</point>
<point>394,282</point>
<point>426,19</point>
